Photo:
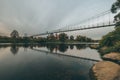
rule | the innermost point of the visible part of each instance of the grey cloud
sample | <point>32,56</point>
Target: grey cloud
<point>36,16</point>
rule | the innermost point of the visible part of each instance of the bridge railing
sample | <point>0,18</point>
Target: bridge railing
<point>97,25</point>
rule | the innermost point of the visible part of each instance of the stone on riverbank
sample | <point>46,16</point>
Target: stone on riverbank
<point>94,46</point>
<point>106,70</point>
<point>112,56</point>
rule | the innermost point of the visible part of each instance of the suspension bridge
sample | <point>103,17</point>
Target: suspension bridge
<point>104,19</point>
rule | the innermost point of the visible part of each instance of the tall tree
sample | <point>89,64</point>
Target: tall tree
<point>63,37</point>
<point>114,9</point>
<point>14,34</point>
<point>51,37</point>
<point>71,37</point>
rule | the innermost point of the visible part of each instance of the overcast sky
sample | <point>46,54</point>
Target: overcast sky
<point>36,16</point>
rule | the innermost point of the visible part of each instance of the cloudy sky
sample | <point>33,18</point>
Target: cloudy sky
<point>36,16</point>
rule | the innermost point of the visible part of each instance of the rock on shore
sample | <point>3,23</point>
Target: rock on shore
<point>106,70</point>
<point>112,56</point>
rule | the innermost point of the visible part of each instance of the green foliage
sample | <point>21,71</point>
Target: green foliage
<point>63,37</point>
<point>115,6</point>
<point>111,38</point>
<point>14,34</point>
<point>41,40</point>
<point>71,37</point>
<point>83,39</point>
<point>116,47</point>
<point>51,37</point>
<point>15,38</point>
<point>105,50</point>
<point>114,9</point>
<point>111,41</point>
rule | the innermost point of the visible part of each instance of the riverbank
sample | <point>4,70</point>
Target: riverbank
<point>106,70</point>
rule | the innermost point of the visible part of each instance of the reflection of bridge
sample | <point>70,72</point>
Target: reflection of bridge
<point>60,54</point>
<point>104,19</point>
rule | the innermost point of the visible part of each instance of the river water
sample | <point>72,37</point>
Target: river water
<point>47,62</point>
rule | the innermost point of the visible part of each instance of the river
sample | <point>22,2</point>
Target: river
<point>47,62</point>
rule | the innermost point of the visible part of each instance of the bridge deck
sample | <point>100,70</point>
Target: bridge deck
<point>69,30</point>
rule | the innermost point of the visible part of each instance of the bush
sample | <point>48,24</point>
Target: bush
<point>111,38</point>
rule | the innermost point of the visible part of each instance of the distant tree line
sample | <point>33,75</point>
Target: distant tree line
<point>62,37</point>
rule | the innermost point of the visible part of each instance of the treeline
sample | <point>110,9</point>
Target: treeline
<point>14,40</point>
<point>62,37</point>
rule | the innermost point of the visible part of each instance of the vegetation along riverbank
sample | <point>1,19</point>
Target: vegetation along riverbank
<point>109,49</point>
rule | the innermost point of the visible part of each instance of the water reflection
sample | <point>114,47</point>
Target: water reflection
<point>38,66</point>
<point>83,46</point>
<point>71,46</point>
<point>78,51</point>
<point>51,47</point>
<point>63,48</point>
<point>14,49</point>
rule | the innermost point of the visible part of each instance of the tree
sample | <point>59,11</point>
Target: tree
<point>14,34</point>
<point>78,38</point>
<point>114,9</point>
<point>51,37</point>
<point>63,37</point>
<point>71,37</point>
<point>81,38</point>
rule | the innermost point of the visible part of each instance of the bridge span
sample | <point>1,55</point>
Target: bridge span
<point>104,19</point>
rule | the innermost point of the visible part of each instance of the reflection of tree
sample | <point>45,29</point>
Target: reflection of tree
<point>51,47</point>
<point>25,45</point>
<point>14,49</point>
<point>71,46</point>
<point>4,46</point>
<point>63,48</point>
<point>31,46</point>
<point>80,46</point>
<point>41,45</point>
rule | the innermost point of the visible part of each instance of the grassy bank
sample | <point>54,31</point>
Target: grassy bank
<point>110,42</point>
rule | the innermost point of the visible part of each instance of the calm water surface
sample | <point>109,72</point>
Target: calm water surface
<point>43,62</point>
